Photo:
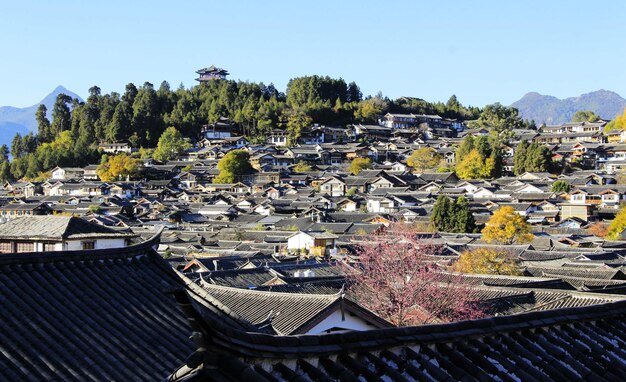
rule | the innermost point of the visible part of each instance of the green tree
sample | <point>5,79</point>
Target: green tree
<point>359,164</point>
<point>297,123</point>
<point>425,158</point>
<point>519,158</point>
<point>302,167</point>
<point>61,115</point>
<point>234,164</point>
<point>452,215</point>
<point>368,110</point>
<point>171,145</point>
<point>43,124</point>
<point>440,216</point>
<point>561,186</point>
<point>466,146</point>
<point>17,146</point>
<point>463,221</point>
<point>585,116</point>
<point>5,171</point>
<point>498,118</point>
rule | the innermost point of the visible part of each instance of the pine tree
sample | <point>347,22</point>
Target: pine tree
<point>440,216</point>
<point>519,158</point>
<point>43,124</point>
<point>463,221</point>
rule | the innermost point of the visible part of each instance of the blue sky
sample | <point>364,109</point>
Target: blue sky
<point>482,51</point>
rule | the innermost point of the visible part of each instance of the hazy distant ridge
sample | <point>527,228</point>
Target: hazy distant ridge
<point>22,120</point>
<point>551,110</point>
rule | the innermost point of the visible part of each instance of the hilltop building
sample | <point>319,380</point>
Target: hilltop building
<point>211,73</point>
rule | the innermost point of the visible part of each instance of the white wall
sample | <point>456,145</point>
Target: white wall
<point>300,240</point>
<point>334,321</point>
<point>76,245</point>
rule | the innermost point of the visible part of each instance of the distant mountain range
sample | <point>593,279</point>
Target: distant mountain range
<point>551,110</point>
<point>22,120</point>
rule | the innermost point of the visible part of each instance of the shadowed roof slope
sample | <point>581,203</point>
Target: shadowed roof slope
<point>95,316</point>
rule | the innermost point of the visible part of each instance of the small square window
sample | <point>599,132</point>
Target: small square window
<point>89,244</point>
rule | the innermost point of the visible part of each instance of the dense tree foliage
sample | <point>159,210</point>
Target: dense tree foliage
<point>425,158</point>
<point>617,226</point>
<point>141,114</point>
<point>396,279</point>
<point>585,116</point>
<point>119,167</point>
<point>486,261</point>
<point>302,167</point>
<point>499,118</point>
<point>532,157</point>
<point>360,164</point>
<point>171,145</point>
<point>452,215</point>
<point>479,157</point>
<point>507,227</point>
<point>561,186</point>
<point>619,123</point>
<point>234,164</point>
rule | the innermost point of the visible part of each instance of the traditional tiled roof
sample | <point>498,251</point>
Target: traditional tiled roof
<point>563,344</point>
<point>55,228</point>
<point>100,316</point>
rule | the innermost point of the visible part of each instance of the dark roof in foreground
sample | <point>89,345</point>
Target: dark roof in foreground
<point>565,344</point>
<point>95,316</point>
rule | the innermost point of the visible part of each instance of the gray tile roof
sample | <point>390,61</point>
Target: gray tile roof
<point>108,317</point>
<point>51,227</point>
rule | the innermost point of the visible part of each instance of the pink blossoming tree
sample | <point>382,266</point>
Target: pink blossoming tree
<point>400,281</point>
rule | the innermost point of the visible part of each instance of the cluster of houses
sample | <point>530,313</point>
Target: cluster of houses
<point>254,263</point>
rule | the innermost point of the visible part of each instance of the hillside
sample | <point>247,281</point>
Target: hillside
<point>551,110</point>
<point>22,120</point>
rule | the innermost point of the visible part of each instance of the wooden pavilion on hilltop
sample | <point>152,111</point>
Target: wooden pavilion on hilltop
<point>211,73</point>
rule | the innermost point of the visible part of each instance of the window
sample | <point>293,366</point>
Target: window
<point>89,244</point>
<point>47,247</point>
<point>25,247</point>
<point>6,247</point>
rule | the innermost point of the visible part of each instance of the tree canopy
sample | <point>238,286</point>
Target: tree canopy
<point>234,164</point>
<point>396,280</point>
<point>585,116</point>
<point>452,215</point>
<point>561,186</point>
<point>486,261</point>
<point>171,145</point>
<point>507,227</point>
<point>359,164</point>
<point>618,225</point>
<point>532,157</point>
<point>425,158</point>
<point>119,167</point>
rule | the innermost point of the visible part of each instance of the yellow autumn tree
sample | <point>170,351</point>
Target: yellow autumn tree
<point>619,123</point>
<point>359,164</point>
<point>507,227</point>
<point>423,159</point>
<point>474,166</point>
<point>618,225</point>
<point>486,261</point>
<point>119,167</point>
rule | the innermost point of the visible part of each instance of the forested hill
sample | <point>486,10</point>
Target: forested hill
<point>22,120</point>
<point>69,131</point>
<point>551,110</point>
